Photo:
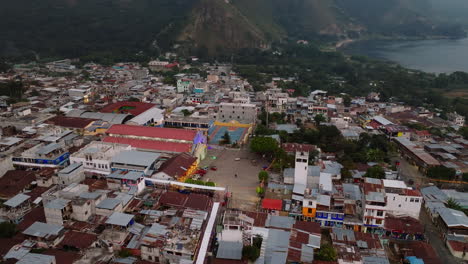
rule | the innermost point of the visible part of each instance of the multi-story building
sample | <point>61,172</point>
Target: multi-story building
<point>96,157</point>
<point>243,113</point>
<point>57,211</point>
<point>126,180</point>
<point>183,85</point>
<point>52,155</point>
<point>73,173</point>
<point>276,101</point>
<point>401,199</point>
<point>374,203</point>
<point>456,119</point>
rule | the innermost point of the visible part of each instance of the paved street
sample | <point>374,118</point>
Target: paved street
<point>433,235</point>
<point>243,187</point>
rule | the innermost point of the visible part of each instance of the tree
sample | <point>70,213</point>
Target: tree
<point>264,145</point>
<point>375,172</point>
<point>441,172</point>
<point>186,112</point>
<point>319,119</point>
<point>260,190</point>
<point>347,101</point>
<point>451,203</point>
<point>326,253</point>
<point>226,138</point>
<point>375,155</point>
<point>464,132</point>
<point>250,253</point>
<point>34,92</point>
<point>7,230</point>
<point>263,176</point>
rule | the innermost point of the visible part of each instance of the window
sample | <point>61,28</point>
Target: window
<point>416,200</point>
<point>378,222</point>
<point>311,203</point>
<point>379,213</point>
<point>411,200</point>
<point>309,210</point>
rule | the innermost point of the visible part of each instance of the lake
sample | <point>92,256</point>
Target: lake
<point>441,55</point>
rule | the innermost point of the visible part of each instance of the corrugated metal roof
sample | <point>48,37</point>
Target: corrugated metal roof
<point>453,217</point>
<point>58,204</point>
<point>33,258</point>
<point>48,148</point>
<point>71,168</point>
<point>382,120</point>
<point>375,260</point>
<point>119,219</point>
<point>279,221</point>
<point>122,175</point>
<point>108,203</point>
<point>307,253</point>
<point>229,250</point>
<point>134,157</point>
<point>352,191</point>
<point>43,230</point>
<point>17,200</point>
<point>277,244</point>
<point>375,197</point>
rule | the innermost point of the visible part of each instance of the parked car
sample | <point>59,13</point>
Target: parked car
<point>213,168</point>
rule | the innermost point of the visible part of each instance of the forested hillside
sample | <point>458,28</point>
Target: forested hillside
<point>75,28</point>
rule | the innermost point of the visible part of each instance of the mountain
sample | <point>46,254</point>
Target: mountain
<point>74,28</point>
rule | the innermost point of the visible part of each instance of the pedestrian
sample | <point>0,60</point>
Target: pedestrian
<point>235,175</point>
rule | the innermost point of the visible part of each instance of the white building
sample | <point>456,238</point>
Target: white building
<point>243,113</point>
<point>401,199</point>
<point>456,119</point>
<point>58,210</point>
<point>74,173</point>
<point>300,174</point>
<point>374,203</point>
<point>96,157</point>
<point>153,116</point>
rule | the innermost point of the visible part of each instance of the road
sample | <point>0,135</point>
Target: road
<point>432,233</point>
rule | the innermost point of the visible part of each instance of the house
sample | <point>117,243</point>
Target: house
<point>84,206</point>
<point>14,182</point>
<point>117,228</point>
<point>456,119</point>
<point>51,155</point>
<point>45,235</point>
<point>401,199</point>
<point>452,222</point>
<point>179,167</point>
<point>16,208</point>
<point>57,211</point>
<point>242,113</point>
<point>96,157</point>
<point>132,181</point>
<point>374,203</point>
<point>37,259</point>
<point>74,173</point>
<point>136,161</point>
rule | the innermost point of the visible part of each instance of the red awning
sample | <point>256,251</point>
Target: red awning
<point>272,204</point>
